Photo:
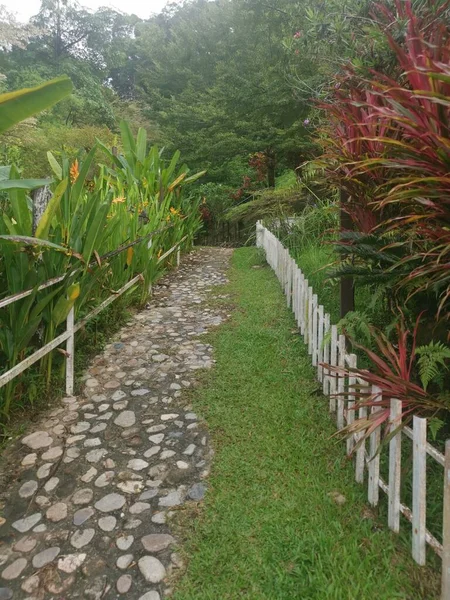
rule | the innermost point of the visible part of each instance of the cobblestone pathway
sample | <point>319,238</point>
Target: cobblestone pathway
<point>95,483</point>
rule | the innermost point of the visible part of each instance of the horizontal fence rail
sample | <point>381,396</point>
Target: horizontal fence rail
<point>68,336</point>
<point>325,345</point>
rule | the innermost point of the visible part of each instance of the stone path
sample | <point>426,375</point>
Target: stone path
<point>88,515</point>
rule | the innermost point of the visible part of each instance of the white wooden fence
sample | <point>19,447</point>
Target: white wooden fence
<point>325,345</point>
<point>68,336</point>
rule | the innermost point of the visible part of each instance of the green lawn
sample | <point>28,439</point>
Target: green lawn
<point>269,529</point>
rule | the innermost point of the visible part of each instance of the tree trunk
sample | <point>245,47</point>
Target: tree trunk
<point>40,197</point>
<point>271,164</point>
<point>347,284</point>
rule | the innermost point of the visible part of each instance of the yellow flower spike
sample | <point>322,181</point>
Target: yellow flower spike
<point>119,200</point>
<point>160,252</point>
<point>74,171</point>
<point>74,291</point>
<point>129,256</point>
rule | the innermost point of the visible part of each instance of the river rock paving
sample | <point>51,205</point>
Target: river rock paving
<point>88,513</point>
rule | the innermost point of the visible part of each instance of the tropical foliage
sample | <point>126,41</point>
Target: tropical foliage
<point>103,225</point>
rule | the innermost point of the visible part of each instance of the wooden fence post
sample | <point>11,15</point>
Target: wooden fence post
<point>419,489</point>
<point>351,403</point>
<point>334,363</point>
<point>70,349</point>
<point>445,590</point>
<point>314,337</point>
<point>395,456</point>
<point>341,383</point>
<point>374,456</point>
<point>320,334</point>
<point>326,354</point>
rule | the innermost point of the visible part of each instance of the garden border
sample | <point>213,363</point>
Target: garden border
<point>71,326</point>
<point>325,345</point>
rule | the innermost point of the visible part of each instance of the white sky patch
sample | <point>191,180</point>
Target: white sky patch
<point>24,9</point>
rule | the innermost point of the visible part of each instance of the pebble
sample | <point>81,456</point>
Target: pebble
<point>80,427</point>
<point>137,464</point>
<point>127,418</point>
<point>28,489</point>
<point>104,479</point>
<point>150,596</point>
<point>44,471</point>
<point>182,465</point>
<point>25,544</point>
<point>57,512</point>
<point>46,556</point>
<point>124,584</point>
<point>95,455</point>
<point>27,523</point>
<point>51,484</point>
<point>14,570</point>
<point>83,496</point>
<point>71,562</point>
<point>189,450</point>
<point>123,562</point>
<point>82,515</point>
<point>53,453</point>
<point>6,593</point>
<point>152,451</point>
<point>167,454</point>
<point>29,460</point>
<point>152,569</point>
<point>82,537</point>
<point>31,584</point>
<point>197,491</point>
<point>159,518</point>
<point>124,542</point>
<point>110,503</point>
<point>92,442</point>
<point>139,507</point>
<point>107,523</point>
<point>89,475</point>
<point>172,499</point>
<point>156,439</point>
<point>38,439</point>
<point>156,542</point>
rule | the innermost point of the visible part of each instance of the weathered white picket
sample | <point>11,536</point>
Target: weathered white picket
<point>325,345</point>
<point>72,327</point>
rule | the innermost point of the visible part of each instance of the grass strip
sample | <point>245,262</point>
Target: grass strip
<point>269,529</point>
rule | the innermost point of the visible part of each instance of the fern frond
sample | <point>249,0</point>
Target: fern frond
<point>432,358</point>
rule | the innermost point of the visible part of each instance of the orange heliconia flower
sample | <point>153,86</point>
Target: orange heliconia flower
<point>74,171</point>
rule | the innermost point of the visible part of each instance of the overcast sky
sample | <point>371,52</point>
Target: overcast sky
<point>24,9</point>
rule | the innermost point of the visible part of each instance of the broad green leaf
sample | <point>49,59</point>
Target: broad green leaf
<point>23,184</point>
<point>79,183</point>
<point>193,178</point>
<point>45,221</point>
<point>141,144</point>
<point>25,240</point>
<point>19,105</point>
<point>56,167</point>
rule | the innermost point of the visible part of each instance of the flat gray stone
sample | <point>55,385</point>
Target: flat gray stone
<point>25,544</point>
<point>57,512</point>
<point>156,439</point>
<point>95,455</point>
<point>71,562</point>
<point>82,537</point>
<point>150,596</point>
<point>152,569</point>
<point>127,418</point>
<point>139,507</point>
<point>28,489</point>
<point>46,556</point>
<point>104,479</point>
<point>124,542</point>
<point>107,523</point>
<point>156,542</point>
<point>124,584</point>
<point>110,502</point>
<point>6,593</point>
<point>80,427</point>
<point>172,499</point>
<point>197,491</point>
<point>27,523</point>
<point>89,475</point>
<point>137,464</point>
<point>189,450</point>
<point>82,515</point>
<point>123,562</point>
<point>14,570</point>
<point>83,496</point>
<point>52,453</point>
<point>38,439</point>
<point>148,495</point>
<point>51,484</point>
